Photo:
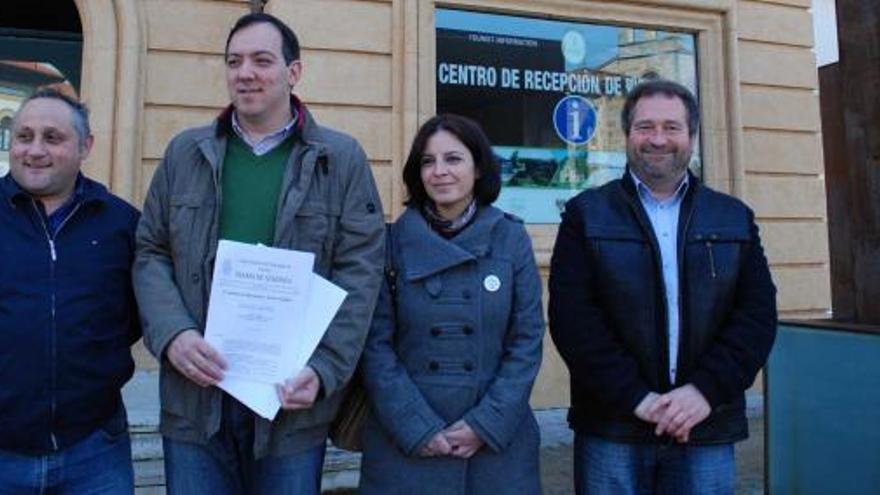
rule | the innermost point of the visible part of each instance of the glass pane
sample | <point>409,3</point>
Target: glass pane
<point>549,95</point>
<point>18,80</point>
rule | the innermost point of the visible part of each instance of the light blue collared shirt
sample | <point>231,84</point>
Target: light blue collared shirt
<point>664,220</point>
<point>268,143</point>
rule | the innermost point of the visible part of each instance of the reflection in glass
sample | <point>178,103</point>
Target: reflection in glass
<point>549,95</point>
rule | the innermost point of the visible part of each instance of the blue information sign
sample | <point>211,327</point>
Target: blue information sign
<point>574,119</point>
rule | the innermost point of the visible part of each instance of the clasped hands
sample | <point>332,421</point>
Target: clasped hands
<point>197,360</point>
<point>676,412</point>
<point>457,440</point>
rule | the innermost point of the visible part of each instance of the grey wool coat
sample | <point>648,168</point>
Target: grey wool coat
<point>461,340</point>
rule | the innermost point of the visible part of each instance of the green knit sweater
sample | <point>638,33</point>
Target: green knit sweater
<point>250,187</point>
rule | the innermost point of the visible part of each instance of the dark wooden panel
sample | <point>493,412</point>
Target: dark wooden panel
<point>858,94</point>
<point>843,292</point>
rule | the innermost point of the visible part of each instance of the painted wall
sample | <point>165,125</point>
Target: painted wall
<point>368,70</point>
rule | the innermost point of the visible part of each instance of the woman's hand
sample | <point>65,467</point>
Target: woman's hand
<point>437,446</point>
<point>463,442</point>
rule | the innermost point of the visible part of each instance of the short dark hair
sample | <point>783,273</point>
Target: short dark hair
<point>666,87</point>
<point>289,42</point>
<point>487,185</point>
<point>79,111</point>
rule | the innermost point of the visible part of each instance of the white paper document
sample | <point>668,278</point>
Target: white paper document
<point>266,315</point>
<point>325,300</point>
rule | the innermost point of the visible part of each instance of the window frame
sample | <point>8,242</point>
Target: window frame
<point>607,139</point>
<point>712,21</point>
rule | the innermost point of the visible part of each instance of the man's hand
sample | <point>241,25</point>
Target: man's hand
<point>196,359</point>
<point>685,409</point>
<point>299,392</point>
<point>437,446</point>
<point>650,407</point>
<point>463,441</point>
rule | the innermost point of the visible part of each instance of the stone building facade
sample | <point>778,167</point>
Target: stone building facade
<point>153,67</point>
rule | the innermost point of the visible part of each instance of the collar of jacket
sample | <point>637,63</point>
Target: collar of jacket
<point>223,125</point>
<point>628,190</point>
<point>629,185</point>
<point>425,253</point>
<point>92,192</point>
<point>213,145</point>
<point>631,194</point>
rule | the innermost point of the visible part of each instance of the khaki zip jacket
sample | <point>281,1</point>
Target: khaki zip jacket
<point>328,205</point>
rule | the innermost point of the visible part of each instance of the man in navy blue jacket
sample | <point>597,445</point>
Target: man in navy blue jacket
<point>67,311</point>
<point>662,306</point>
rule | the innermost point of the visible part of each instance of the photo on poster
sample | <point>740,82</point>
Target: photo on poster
<point>549,95</point>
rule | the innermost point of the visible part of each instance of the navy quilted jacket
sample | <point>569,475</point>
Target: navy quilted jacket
<point>67,317</point>
<point>608,313</point>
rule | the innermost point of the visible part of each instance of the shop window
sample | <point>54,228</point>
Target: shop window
<point>39,47</point>
<point>549,95</point>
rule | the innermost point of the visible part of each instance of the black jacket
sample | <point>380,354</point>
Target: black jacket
<point>608,311</point>
<point>67,318</point>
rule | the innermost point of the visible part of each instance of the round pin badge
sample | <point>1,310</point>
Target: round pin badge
<point>492,283</point>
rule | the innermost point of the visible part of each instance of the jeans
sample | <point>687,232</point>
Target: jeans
<point>99,464</point>
<point>606,467</point>
<point>226,464</point>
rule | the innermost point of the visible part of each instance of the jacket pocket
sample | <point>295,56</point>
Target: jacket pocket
<point>186,219</point>
<point>716,254</point>
<point>315,232</point>
<point>191,217</point>
<point>621,256</point>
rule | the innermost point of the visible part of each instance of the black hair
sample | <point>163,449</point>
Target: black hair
<point>488,184</point>
<point>79,111</point>
<point>665,87</point>
<point>289,42</point>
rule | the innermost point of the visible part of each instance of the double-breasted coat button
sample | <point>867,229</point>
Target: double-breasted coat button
<point>434,366</point>
<point>436,331</point>
<point>468,366</point>
<point>195,277</point>
<point>467,330</point>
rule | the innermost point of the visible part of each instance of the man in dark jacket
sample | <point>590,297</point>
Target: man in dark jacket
<point>662,306</point>
<point>67,312</point>
<point>263,172</point>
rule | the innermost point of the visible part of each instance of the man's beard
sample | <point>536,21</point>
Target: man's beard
<point>669,168</point>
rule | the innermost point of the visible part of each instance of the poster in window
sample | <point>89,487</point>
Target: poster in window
<point>549,94</point>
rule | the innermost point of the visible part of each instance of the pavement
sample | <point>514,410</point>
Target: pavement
<point>557,474</point>
<point>341,468</point>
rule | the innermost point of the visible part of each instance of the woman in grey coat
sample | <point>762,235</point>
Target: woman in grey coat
<point>455,343</point>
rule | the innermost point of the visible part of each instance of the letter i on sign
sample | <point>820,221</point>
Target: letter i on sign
<point>574,116</point>
<point>574,119</point>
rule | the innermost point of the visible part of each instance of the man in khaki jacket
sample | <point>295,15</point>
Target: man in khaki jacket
<point>286,182</point>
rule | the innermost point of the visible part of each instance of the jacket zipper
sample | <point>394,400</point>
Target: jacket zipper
<point>712,271</point>
<point>54,342</point>
<point>681,278</point>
